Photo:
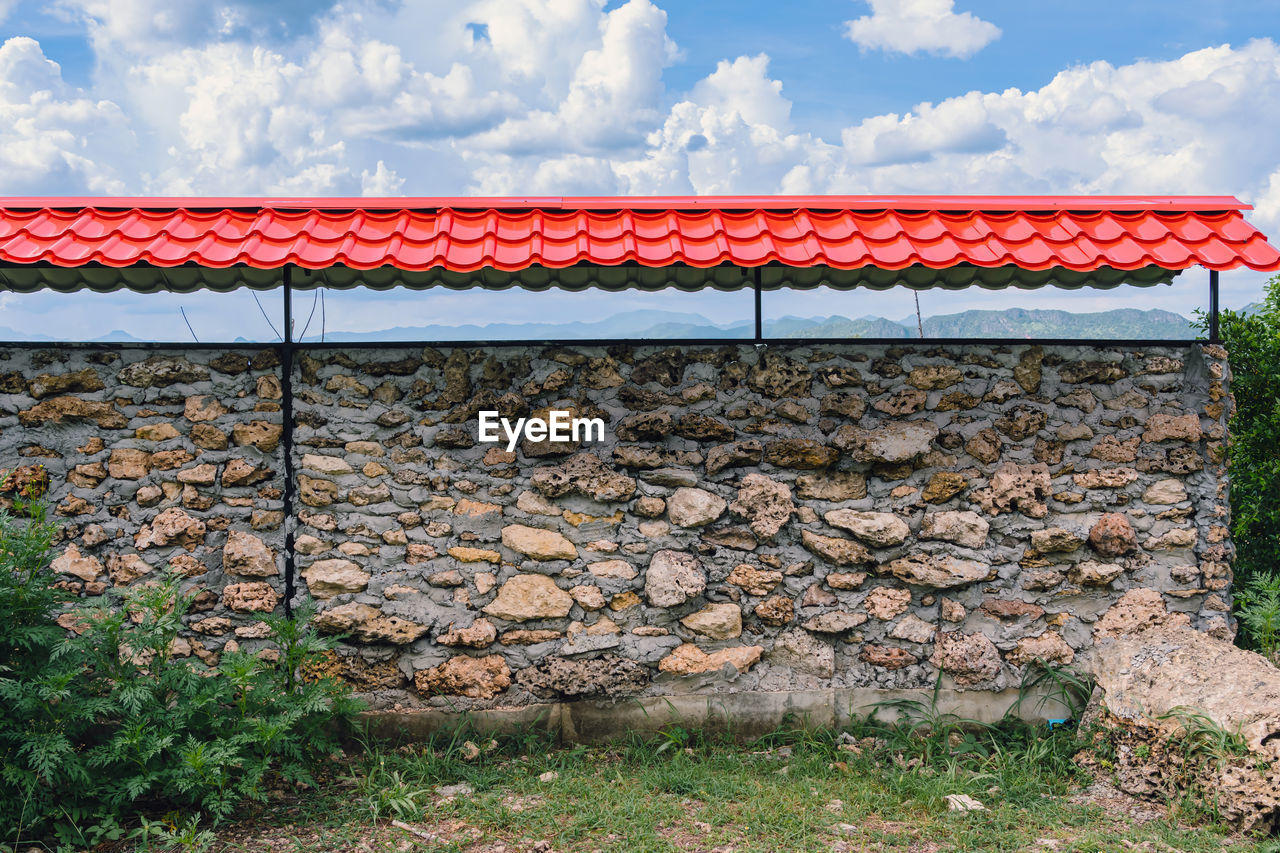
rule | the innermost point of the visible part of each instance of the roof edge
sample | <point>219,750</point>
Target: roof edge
<point>1171,203</point>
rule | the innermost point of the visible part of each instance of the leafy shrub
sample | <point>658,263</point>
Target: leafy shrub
<point>1253,347</point>
<point>95,726</point>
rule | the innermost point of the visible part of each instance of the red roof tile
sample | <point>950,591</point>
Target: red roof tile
<point>460,234</point>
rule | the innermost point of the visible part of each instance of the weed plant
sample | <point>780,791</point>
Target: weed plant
<point>99,726</point>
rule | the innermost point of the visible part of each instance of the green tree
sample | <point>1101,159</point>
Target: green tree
<point>1253,346</point>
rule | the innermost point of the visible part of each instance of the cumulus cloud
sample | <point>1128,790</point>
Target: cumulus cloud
<point>912,26</point>
<point>53,138</point>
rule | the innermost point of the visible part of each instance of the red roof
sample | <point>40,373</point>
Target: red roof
<point>1081,233</point>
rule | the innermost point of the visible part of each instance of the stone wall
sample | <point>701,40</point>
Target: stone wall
<point>158,459</point>
<point>781,519</point>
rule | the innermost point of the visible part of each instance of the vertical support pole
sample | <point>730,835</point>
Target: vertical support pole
<point>759,310</point>
<point>286,441</point>
<point>1213,307</point>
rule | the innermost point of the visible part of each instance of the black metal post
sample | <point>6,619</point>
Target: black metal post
<point>286,407</point>
<point>759,310</point>
<point>1213,306</point>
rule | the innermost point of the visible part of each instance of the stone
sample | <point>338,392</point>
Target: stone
<point>1049,647</point>
<point>586,474</point>
<point>129,464</point>
<point>1094,574</point>
<point>328,465</point>
<point>58,409</point>
<point>368,624</point>
<point>776,610</point>
<point>818,596</point>
<point>688,659</point>
<point>1100,372</point>
<point>1105,478</point>
<point>846,404</point>
<point>471,677</point>
<point>1112,535</point>
<point>607,675</point>
<point>804,653</point>
<point>171,527</point>
<point>951,611</point>
<point>85,380</point>
<point>1057,540</point>
<point>846,580</point>
<point>527,596</point>
<point>260,434</point>
<point>689,507</point>
<point>199,475</point>
<point>162,370</point>
<point>832,486</point>
<point>1162,492</point>
<point>250,597</point>
<point>1136,609</point>
<point>1162,427</point>
<point>1021,422</point>
<point>835,549</point>
<point>538,543</point>
<point>1010,609</point>
<point>208,437</point>
<point>765,503</point>
<point>892,441</point>
<point>448,579</point>
<point>1027,372</point>
<point>588,597</point>
<point>753,580</point>
<point>478,635</point>
<point>835,622</point>
<point>887,657</point>
<point>880,529</point>
<point>734,455</point>
<point>1016,487</point>
<point>699,427</point>
<point>247,555</point>
<point>716,621</point>
<point>416,553</point>
<point>327,578</point>
<point>933,377</point>
<point>464,554</point>
<point>612,570</point>
<point>673,578</point>
<point>800,453</point>
<point>913,629</point>
<point>156,432</point>
<point>967,529</point>
<point>650,507</point>
<point>777,376</point>
<point>201,408</point>
<point>1172,540</point>
<point>1041,581</point>
<point>940,571</point>
<point>72,562</point>
<point>943,486</point>
<point>1111,449</point>
<point>885,603</point>
<point>985,446</point>
<point>970,659</point>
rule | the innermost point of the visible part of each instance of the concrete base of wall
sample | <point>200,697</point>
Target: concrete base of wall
<point>738,715</point>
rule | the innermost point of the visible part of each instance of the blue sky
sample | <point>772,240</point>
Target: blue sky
<point>382,97</point>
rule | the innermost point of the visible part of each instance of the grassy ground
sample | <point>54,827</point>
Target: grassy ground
<point>874,789</point>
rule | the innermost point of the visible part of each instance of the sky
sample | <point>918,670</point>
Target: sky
<point>629,97</point>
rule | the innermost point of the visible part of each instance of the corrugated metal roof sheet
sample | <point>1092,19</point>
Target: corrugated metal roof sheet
<point>1081,234</point>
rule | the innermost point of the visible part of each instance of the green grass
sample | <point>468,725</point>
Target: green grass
<point>793,790</point>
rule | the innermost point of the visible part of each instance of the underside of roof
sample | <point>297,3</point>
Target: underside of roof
<point>619,243</point>
<point>187,279</point>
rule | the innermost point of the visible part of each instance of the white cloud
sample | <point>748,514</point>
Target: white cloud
<point>912,26</point>
<point>54,139</point>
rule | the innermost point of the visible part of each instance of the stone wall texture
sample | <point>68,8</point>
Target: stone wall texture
<point>756,519</point>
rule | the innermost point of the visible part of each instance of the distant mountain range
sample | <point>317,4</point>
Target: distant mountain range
<point>1120,323</point>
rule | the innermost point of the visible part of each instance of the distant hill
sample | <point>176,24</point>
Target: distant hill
<point>1010,323</point>
<point>1036,323</point>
